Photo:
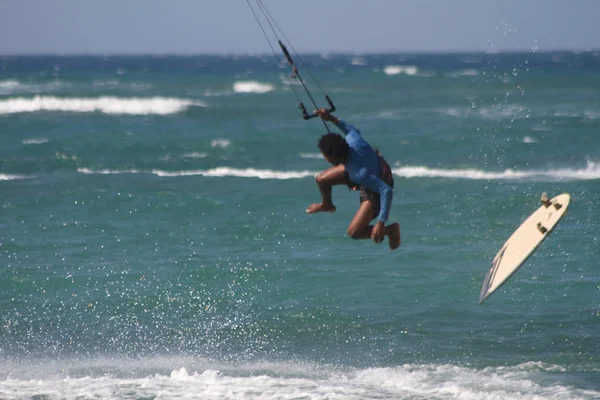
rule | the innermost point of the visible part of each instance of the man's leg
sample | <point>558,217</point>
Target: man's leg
<point>325,181</point>
<point>359,227</point>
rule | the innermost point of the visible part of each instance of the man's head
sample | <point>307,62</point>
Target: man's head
<point>334,148</point>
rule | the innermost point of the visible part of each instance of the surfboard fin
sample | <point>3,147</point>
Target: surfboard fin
<point>545,201</point>
<point>541,228</point>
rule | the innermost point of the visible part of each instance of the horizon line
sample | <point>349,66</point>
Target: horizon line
<point>307,53</point>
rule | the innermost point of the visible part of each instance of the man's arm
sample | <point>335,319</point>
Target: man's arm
<point>343,126</point>
<point>386,193</point>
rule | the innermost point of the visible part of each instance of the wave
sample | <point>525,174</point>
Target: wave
<point>464,72</point>
<point>517,111</point>
<point>219,172</point>
<point>316,156</point>
<point>35,141</point>
<point>252,87</point>
<point>9,84</point>
<point>400,69</point>
<point>194,154</point>
<point>13,86</point>
<point>222,143</point>
<point>590,172</point>
<point>269,380</point>
<point>12,177</point>
<point>105,104</point>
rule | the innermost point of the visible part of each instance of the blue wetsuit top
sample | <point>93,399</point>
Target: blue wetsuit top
<point>362,166</point>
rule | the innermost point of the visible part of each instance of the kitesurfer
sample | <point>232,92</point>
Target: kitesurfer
<point>358,165</point>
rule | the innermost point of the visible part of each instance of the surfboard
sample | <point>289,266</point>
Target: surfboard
<point>523,242</point>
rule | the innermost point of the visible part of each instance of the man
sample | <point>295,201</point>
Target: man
<point>358,165</point>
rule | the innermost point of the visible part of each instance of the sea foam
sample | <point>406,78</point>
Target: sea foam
<point>105,104</point>
<point>218,172</point>
<point>266,381</point>
<point>35,141</point>
<point>252,87</point>
<point>222,143</point>
<point>400,69</point>
<point>590,172</point>
<point>12,177</point>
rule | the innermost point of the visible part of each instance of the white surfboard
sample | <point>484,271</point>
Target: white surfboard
<point>523,242</point>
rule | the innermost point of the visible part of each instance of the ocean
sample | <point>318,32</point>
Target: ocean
<point>154,242</point>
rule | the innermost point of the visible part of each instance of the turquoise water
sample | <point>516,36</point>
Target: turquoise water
<point>154,242</point>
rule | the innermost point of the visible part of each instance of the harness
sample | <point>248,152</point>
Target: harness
<point>385,174</point>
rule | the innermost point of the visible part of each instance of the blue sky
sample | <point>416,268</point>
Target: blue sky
<point>352,26</point>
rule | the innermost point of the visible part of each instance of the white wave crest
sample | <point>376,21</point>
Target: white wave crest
<point>35,141</point>
<point>252,87</point>
<point>12,177</point>
<point>15,87</point>
<point>315,156</point>
<point>222,143</point>
<point>218,172</point>
<point>590,172</point>
<point>240,173</point>
<point>9,84</point>
<point>112,171</point>
<point>106,104</point>
<point>400,69</point>
<point>266,381</point>
<point>475,174</point>
<point>195,154</point>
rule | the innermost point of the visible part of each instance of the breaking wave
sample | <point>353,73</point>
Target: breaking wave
<point>252,87</point>
<point>590,172</point>
<point>214,172</point>
<point>105,104</point>
<point>400,69</point>
<point>288,380</point>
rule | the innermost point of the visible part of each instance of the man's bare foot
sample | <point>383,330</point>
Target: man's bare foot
<point>394,236</point>
<point>319,207</point>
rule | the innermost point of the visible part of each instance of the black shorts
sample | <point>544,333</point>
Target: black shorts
<point>373,197</point>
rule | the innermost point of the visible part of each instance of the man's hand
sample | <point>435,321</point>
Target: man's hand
<point>378,233</point>
<point>326,116</point>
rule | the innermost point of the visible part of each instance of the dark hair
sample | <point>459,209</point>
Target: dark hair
<point>333,144</point>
